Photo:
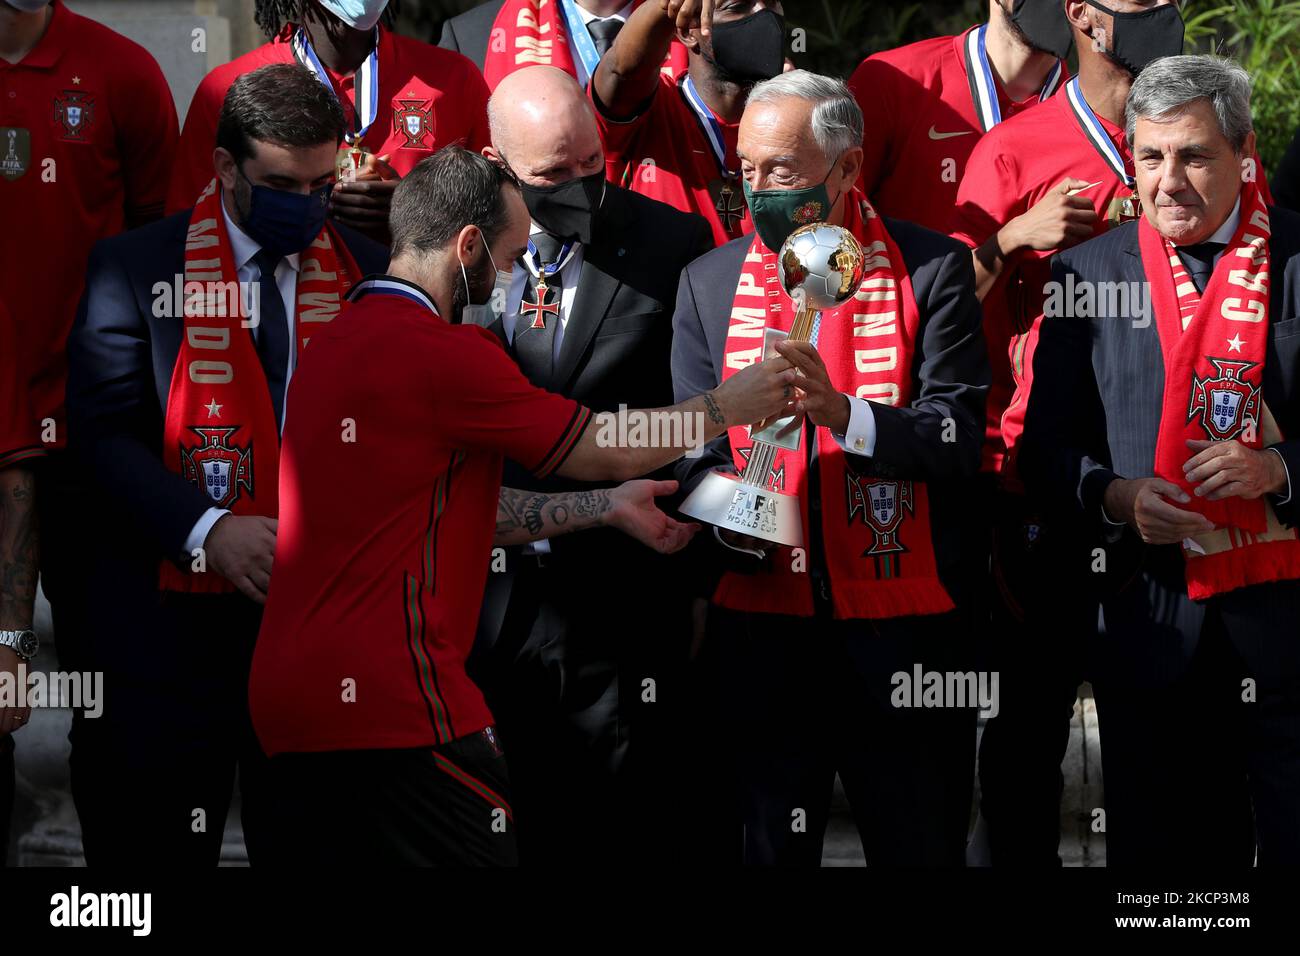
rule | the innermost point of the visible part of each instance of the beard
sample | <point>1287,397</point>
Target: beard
<point>1018,32</point>
<point>481,284</point>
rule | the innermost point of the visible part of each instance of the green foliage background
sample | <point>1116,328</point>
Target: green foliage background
<point>1262,34</point>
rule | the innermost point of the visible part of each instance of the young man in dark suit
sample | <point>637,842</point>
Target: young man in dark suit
<point>1170,349</point>
<point>185,341</point>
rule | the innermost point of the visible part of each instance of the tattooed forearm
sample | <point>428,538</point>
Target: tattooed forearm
<point>18,548</point>
<point>524,516</point>
<point>715,413</point>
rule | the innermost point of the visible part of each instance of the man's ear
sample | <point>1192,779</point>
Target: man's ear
<point>467,242</point>
<point>691,40</point>
<point>851,165</point>
<point>224,164</point>
<point>491,153</point>
<point>1076,11</point>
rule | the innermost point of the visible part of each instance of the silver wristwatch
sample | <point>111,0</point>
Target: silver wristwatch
<point>24,643</point>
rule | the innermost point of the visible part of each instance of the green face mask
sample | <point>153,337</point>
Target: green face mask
<point>779,212</point>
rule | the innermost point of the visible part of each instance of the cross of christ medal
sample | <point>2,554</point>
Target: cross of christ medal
<point>349,161</point>
<point>729,202</point>
<point>541,308</point>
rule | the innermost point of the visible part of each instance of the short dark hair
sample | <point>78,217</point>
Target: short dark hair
<point>443,194</point>
<point>282,104</point>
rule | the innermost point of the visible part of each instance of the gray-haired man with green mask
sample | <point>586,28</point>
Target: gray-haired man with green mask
<point>808,643</point>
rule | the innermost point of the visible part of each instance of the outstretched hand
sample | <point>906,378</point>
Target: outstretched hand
<point>633,511</point>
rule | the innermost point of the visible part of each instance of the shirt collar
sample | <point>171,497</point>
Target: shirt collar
<point>588,16</point>
<point>1225,232</point>
<point>50,46</point>
<point>242,246</point>
<point>534,229</point>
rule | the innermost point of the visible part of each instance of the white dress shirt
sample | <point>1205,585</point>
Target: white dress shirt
<point>243,248</point>
<point>587,17</point>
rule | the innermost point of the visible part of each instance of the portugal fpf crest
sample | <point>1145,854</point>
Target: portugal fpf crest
<point>882,504</point>
<point>1226,403</point>
<point>217,467</point>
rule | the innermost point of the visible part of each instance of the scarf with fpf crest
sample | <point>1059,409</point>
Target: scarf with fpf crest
<point>876,533</point>
<point>220,432</point>
<point>1214,345</point>
<point>536,33</point>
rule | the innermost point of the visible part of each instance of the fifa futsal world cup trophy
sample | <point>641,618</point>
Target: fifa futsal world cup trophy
<point>820,267</point>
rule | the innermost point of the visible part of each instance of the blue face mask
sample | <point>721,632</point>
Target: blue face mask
<point>358,14</point>
<point>285,222</point>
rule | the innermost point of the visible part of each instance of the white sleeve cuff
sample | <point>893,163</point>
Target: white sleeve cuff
<point>860,439</point>
<point>199,533</point>
<point>1283,499</point>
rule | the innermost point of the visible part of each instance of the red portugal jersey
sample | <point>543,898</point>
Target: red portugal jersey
<point>87,136</point>
<point>923,119</point>
<point>1013,167</point>
<point>427,98</point>
<point>670,152</point>
<point>19,430</point>
<point>389,476</point>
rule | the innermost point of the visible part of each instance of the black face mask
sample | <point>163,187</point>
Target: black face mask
<point>568,210</point>
<point>1144,36</point>
<point>750,50</point>
<point>1042,24</point>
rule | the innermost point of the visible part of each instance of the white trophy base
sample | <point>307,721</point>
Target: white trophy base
<point>727,502</point>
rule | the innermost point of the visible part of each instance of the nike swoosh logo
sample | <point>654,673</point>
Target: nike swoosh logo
<point>935,134</point>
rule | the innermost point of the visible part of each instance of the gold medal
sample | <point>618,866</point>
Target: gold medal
<point>349,162</point>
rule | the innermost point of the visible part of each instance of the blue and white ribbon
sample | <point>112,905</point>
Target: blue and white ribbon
<point>983,88</point>
<point>366,86</point>
<point>534,263</point>
<point>582,40</point>
<point>387,285</point>
<point>709,123</point>
<point>1092,128</point>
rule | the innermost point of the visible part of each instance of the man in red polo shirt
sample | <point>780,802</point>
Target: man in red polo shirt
<point>928,103</point>
<point>674,138</point>
<point>382,747</point>
<point>403,100</point>
<point>87,136</point>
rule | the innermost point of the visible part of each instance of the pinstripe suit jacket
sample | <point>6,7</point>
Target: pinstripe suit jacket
<point>1094,412</point>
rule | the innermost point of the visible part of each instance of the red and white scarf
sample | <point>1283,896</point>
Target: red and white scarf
<point>1214,347</point>
<point>876,533</point>
<point>220,432</point>
<point>533,33</point>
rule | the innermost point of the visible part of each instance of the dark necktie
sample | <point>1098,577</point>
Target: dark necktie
<point>1199,261</point>
<point>534,344</point>
<point>603,32</point>
<point>272,331</point>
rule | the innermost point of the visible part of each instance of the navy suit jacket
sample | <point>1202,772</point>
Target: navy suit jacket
<point>950,374</point>
<point>1094,411</point>
<point>121,356</point>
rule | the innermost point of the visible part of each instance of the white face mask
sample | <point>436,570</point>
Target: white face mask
<point>486,313</point>
<point>28,6</point>
<point>358,14</point>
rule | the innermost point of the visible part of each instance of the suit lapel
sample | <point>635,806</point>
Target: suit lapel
<point>596,289</point>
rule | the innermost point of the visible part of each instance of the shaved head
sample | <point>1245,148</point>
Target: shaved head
<point>543,127</point>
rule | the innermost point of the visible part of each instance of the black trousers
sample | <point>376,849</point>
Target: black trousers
<point>441,806</point>
<point>801,699</point>
<point>586,682</point>
<point>1188,746</point>
<point>1042,616</point>
<point>153,777</point>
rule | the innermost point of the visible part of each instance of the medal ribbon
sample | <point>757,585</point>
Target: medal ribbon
<point>582,40</point>
<point>710,124</point>
<point>984,91</point>
<point>535,266</point>
<point>385,285</point>
<point>366,86</point>
<point>1092,129</point>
